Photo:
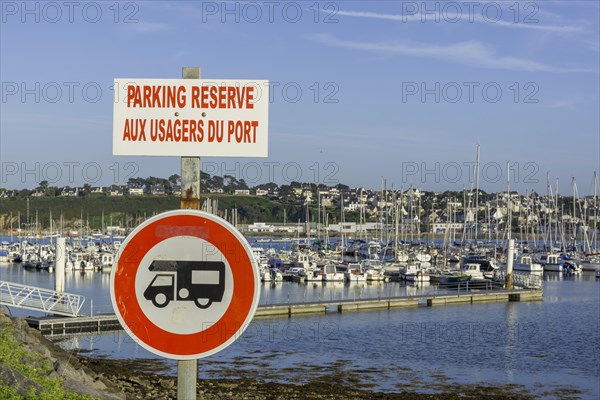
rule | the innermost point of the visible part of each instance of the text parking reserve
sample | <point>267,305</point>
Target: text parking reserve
<point>201,97</point>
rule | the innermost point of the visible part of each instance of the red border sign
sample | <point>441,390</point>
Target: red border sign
<point>219,334</point>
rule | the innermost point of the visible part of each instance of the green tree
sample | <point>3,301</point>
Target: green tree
<point>174,180</point>
<point>217,182</point>
<point>87,188</point>
<point>286,193</point>
<point>43,185</point>
<point>137,182</point>
<point>230,183</point>
<point>242,184</point>
<point>52,191</point>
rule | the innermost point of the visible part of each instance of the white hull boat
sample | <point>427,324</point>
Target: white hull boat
<point>526,264</point>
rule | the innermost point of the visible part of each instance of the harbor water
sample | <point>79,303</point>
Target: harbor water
<point>547,348</point>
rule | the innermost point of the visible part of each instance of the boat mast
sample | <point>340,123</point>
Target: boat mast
<point>548,233</point>
<point>410,215</point>
<point>498,217</point>
<point>573,221</point>
<point>385,220</point>
<point>476,190</point>
<point>595,237</point>
<point>50,226</point>
<point>28,221</point>
<point>535,232</point>
<point>362,220</point>
<point>318,214</point>
<point>465,214</point>
<point>562,226</point>
<point>526,218</point>
<point>395,201</point>
<point>584,218</point>
<point>418,217</point>
<point>489,219</point>
<point>342,224</point>
<point>449,225</point>
<point>509,203</point>
<point>307,222</point>
<point>402,214</point>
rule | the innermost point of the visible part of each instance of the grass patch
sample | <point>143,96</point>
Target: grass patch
<point>32,370</point>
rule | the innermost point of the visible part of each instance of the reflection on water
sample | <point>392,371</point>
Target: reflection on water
<point>287,292</point>
<point>537,344</point>
<point>417,288</point>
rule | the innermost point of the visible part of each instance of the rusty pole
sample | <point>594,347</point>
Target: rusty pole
<point>187,370</point>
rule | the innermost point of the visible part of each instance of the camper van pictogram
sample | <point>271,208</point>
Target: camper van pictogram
<point>202,282</point>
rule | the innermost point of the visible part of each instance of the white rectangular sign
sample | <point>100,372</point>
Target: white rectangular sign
<point>191,117</point>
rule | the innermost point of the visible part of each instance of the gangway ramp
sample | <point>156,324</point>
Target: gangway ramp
<point>40,299</point>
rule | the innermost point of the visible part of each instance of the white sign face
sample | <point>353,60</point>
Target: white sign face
<point>185,284</point>
<point>191,117</point>
<point>168,291</point>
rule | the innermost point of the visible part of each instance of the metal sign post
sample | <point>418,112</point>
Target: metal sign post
<point>185,283</point>
<point>187,370</point>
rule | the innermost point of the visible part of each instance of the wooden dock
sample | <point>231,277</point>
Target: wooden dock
<point>62,326</point>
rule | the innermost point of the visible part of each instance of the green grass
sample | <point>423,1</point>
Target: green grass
<point>18,357</point>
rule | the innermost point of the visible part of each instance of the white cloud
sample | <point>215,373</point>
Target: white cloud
<point>453,17</point>
<point>568,104</point>
<point>471,53</point>
<point>147,27</point>
<point>574,101</point>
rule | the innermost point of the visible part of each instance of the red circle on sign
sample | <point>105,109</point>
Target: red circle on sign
<point>220,333</point>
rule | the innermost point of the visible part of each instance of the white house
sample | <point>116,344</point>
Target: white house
<point>261,227</point>
<point>115,191</point>
<point>136,191</point>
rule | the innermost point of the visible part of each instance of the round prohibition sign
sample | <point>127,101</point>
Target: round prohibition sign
<point>185,284</point>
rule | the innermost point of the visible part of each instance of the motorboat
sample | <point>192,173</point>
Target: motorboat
<point>527,264</point>
<point>354,273</point>
<point>414,273</point>
<point>473,270</point>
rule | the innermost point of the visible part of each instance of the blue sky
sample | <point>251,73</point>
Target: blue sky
<point>397,90</point>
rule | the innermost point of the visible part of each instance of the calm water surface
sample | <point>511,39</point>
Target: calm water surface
<point>544,346</point>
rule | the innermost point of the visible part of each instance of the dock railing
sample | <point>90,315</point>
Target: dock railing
<point>522,279</point>
<point>40,299</point>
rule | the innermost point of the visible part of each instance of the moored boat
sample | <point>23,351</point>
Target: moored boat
<point>527,264</point>
<point>550,262</point>
<point>414,273</point>
<point>473,270</point>
<point>331,274</point>
<point>354,273</point>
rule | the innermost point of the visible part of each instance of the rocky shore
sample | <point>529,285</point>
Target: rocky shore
<point>33,367</point>
<point>147,385</point>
